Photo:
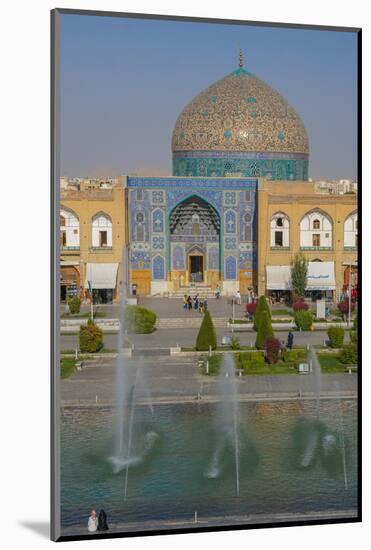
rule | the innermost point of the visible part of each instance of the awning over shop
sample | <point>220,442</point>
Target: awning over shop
<point>278,277</point>
<point>321,276</point>
<point>68,263</point>
<point>101,275</point>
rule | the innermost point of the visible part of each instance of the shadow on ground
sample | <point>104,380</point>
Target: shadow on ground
<point>41,528</point>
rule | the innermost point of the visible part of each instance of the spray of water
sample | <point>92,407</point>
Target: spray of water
<point>129,385</point>
<point>229,405</point>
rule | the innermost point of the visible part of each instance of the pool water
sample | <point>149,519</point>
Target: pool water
<point>291,459</point>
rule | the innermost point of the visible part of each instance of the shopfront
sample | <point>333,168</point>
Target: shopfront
<point>320,281</point>
<point>278,283</point>
<point>102,279</point>
<point>70,280</point>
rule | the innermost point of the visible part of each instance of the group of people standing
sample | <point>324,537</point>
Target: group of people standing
<point>97,523</point>
<point>197,303</point>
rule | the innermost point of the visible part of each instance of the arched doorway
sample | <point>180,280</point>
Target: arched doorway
<point>194,232</point>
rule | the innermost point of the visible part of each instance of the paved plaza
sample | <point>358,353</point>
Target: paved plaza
<point>173,379</point>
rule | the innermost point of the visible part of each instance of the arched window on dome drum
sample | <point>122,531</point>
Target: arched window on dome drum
<point>316,230</point>
<point>101,231</point>
<point>280,230</point>
<point>351,231</point>
<point>69,229</point>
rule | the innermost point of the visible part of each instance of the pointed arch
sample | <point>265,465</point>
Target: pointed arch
<point>280,230</point>
<point>69,228</point>
<point>316,230</point>
<point>101,230</point>
<point>351,230</point>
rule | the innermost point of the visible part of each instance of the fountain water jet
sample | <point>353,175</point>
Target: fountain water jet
<point>228,418</point>
<point>129,386</point>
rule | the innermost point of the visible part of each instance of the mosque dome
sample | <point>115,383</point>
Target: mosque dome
<point>240,126</point>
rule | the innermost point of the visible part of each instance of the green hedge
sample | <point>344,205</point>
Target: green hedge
<point>293,355</point>
<point>139,320</point>
<point>90,338</point>
<point>349,354</point>
<point>249,361</point>
<point>336,337</point>
<point>207,335</point>
<point>303,319</point>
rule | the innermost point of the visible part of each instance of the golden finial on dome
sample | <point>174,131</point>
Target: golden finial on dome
<point>240,64</point>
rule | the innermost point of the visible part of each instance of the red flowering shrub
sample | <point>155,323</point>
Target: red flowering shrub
<point>300,305</point>
<point>272,348</point>
<point>343,307</point>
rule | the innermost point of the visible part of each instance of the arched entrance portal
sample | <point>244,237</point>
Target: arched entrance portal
<point>194,227</point>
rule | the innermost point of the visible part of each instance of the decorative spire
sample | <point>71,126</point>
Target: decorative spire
<point>240,64</point>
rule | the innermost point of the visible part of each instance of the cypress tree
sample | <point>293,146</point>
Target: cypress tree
<point>265,330</point>
<point>206,335</point>
<point>262,306</point>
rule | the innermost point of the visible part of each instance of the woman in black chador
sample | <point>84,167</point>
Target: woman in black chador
<point>102,521</point>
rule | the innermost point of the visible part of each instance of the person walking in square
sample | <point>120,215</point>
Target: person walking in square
<point>290,340</point>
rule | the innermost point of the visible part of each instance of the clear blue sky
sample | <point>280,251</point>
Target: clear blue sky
<point>124,82</point>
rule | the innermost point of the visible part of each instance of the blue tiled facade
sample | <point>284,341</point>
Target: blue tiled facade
<point>151,204</point>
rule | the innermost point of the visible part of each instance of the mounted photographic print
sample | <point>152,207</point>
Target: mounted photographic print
<point>205,274</point>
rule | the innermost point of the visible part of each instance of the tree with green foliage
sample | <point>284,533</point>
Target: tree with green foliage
<point>336,336</point>
<point>207,334</point>
<point>139,320</point>
<point>299,274</point>
<point>265,330</point>
<point>303,319</point>
<point>90,337</point>
<point>262,306</point>
<point>74,304</point>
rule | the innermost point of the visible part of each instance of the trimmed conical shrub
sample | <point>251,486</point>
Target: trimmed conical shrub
<point>207,335</point>
<point>262,306</point>
<point>264,330</point>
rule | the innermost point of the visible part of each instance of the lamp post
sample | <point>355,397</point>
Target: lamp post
<point>349,293</point>
<point>91,301</point>
<point>233,315</point>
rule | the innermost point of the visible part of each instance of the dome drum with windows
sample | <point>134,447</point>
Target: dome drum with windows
<point>240,126</point>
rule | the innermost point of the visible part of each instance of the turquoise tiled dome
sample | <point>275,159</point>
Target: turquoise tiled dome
<point>240,119</point>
